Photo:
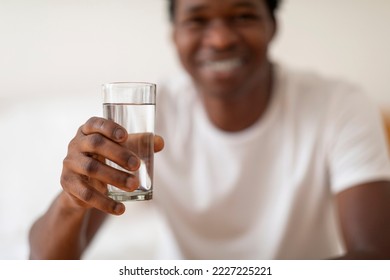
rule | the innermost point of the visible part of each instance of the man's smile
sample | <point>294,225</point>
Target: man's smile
<point>222,65</point>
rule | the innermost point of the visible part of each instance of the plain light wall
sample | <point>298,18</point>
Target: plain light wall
<point>54,55</point>
<point>71,47</point>
<point>340,38</point>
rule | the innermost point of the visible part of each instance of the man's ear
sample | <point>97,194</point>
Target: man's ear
<point>173,35</point>
<point>273,30</point>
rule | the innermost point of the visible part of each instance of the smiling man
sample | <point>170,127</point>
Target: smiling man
<point>223,45</point>
<point>260,162</point>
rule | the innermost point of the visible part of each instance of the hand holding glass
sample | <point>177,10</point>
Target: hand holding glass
<point>133,106</point>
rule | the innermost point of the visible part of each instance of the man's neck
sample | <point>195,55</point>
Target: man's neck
<point>235,114</point>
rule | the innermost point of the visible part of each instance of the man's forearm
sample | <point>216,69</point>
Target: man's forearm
<point>364,255</point>
<point>61,233</point>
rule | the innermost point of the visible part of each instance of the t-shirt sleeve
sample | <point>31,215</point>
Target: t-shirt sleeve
<point>358,149</point>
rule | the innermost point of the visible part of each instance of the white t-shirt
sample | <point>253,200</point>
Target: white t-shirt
<point>266,192</point>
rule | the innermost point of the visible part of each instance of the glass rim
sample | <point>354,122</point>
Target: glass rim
<point>130,84</point>
<point>129,92</point>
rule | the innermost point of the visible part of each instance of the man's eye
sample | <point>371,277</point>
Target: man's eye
<point>195,21</point>
<point>246,17</point>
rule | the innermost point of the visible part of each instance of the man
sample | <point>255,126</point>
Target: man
<point>259,162</point>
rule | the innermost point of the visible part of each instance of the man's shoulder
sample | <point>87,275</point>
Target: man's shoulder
<point>313,85</point>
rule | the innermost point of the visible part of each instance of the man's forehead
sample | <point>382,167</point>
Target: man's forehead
<point>197,4</point>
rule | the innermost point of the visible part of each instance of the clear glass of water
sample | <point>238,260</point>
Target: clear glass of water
<point>133,106</point>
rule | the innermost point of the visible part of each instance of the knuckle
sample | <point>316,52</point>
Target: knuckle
<point>86,194</point>
<point>97,122</point>
<point>87,126</point>
<point>93,122</point>
<point>121,180</point>
<point>75,145</point>
<point>70,162</point>
<point>118,178</point>
<point>96,140</point>
<point>91,166</point>
<point>64,181</point>
<point>72,144</point>
<point>65,162</point>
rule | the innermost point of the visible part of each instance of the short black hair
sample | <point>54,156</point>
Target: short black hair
<point>271,4</point>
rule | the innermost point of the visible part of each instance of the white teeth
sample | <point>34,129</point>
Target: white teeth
<point>223,65</point>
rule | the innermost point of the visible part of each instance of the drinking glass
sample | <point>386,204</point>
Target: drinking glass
<point>133,106</point>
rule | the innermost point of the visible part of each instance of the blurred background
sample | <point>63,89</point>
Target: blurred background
<point>54,56</point>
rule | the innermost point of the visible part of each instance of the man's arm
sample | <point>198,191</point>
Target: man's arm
<point>364,213</point>
<point>72,220</point>
<point>64,231</point>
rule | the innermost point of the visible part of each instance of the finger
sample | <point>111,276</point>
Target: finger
<point>144,143</point>
<point>93,168</point>
<point>97,144</point>
<point>141,144</point>
<point>78,188</point>
<point>98,185</point>
<point>117,133</point>
<point>105,127</point>
<point>158,143</point>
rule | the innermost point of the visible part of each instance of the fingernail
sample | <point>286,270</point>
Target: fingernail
<point>119,134</point>
<point>132,183</point>
<point>133,163</point>
<point>119,208</point>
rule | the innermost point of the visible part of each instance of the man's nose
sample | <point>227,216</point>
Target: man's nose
<point>220,36</point>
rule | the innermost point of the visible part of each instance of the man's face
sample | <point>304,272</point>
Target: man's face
<point>223,43</point>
